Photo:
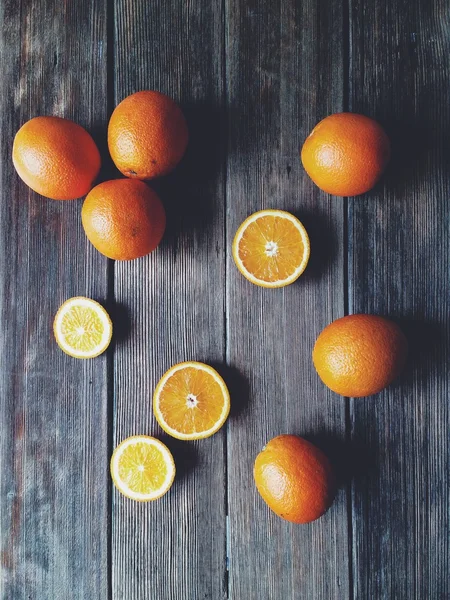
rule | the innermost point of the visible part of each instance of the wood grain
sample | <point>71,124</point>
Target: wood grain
<point>53,409</point>
<point>284,73</point>
<point>174,300</point>
<point>399,266</point>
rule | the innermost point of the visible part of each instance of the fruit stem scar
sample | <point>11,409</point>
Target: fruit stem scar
<point>271,248</point>
<point>191,401</point>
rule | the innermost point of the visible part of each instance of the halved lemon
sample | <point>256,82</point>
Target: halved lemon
<point>191,401</point>
<point>142,468</point>
<point>82,328</point>
<point>271,248</point>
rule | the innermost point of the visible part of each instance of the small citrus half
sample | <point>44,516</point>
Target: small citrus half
<point>271,248</point>
<point>191,401</point>
<point>142,468</point>
<point>82,328</point>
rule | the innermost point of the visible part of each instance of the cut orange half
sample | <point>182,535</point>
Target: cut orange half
<point>191,401</point>
<point>82,328</point>
<point>271,248</point>
<point>142,468</point>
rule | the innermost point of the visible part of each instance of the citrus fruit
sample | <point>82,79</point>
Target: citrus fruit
<point>271,248</point>
<point>345,154</point>
<point>142,468</point>
<point>147,135</point>
<point>123,219</point>
<point>294,478</point>
<point>56,158</point>
<point>359,355</point>
<point>82,328</point>
<point>191,401</point>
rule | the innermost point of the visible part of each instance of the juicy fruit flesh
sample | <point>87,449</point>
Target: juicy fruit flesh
<point>82,328</point>
<point>271,248</point>
<point>191,401</point>
<point>142,468</point>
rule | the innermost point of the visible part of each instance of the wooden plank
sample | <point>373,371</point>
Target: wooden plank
<point>53,409</point>
<point>284,73</point>
<point>174,548</point>
<point>399,266</point>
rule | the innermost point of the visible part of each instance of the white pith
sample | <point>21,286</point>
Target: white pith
<point>271,248</point>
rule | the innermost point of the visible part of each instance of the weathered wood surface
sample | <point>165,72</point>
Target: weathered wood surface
<point>399,266</point>
<point>252,78</point>
<point>174,548</point>
<point>284,73</point>
<point>54,490</point>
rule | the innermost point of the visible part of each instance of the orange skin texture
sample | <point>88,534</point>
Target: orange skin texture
<point>124,219</point>
<point>147,135</point>
<point>359,355</point>
<point>294,478</point>
<point>346,154</point>
<point>56,158</point>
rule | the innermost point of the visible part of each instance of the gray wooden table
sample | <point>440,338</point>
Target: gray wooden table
<point>253,78</point>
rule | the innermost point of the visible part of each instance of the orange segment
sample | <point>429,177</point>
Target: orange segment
<point>271,248</point>
<point>191,401</point>
<point>142,468</point>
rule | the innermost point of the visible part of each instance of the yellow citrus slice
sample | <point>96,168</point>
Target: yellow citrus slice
<point>82,328</point>
<point>191,401</point>
<point>142,468</point>
<point>271,248</point>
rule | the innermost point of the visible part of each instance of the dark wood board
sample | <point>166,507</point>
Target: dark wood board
<point>174,301</point>
<point>54,486</point>
<point>253,78</point>
<point>399,267</point>
<point>284,73</point>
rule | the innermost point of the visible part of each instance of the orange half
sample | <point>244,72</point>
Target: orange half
<point>142,468</point>
<point>191,401</point>
<point>271,248</point>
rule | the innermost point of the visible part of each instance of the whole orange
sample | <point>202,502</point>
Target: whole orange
<point>147,135</point>
<point>123,219</point>
<point>294,478</point>
<point>359,355</point>
<point>345,154</point>
<point>56,158</point>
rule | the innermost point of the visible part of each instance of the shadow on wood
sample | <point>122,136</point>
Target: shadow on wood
<point>428,350</point>
<point>188,193</point>
<point>121,320</point>
<point>238,387</point>
<point>351,460</point>
<point>185,455</point>
<point>323,240</point>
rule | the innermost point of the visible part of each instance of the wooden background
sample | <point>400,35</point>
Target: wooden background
<point>253,78</point>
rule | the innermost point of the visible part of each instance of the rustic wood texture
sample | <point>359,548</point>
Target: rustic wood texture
<point>399,266</point>
<point>253,78</point>
<point>53,409</point>
<point>174,548</point>
<point>284,73</point>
